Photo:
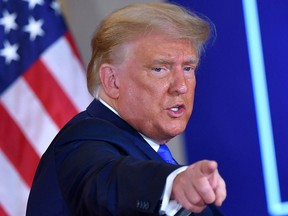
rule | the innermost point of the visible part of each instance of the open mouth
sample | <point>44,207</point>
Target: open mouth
<point>177,109</point>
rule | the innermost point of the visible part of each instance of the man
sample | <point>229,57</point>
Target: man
<point>105,160</point>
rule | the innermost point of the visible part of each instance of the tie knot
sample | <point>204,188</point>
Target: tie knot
<point>165,153</point>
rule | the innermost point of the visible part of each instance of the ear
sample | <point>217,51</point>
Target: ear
<point>109,80</point>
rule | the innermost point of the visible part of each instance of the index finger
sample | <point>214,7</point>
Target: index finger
<point>208,167</point>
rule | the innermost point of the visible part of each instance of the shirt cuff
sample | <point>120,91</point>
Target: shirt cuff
<point>170,207</point>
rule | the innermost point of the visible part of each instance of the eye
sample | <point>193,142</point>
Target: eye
<point>157,69</point>
<point>189,70</point>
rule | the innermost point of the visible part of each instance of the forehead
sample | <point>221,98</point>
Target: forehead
<point>157,46</point>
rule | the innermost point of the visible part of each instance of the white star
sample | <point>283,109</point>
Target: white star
<point>33,3</point>
<point>55,5</point>
<point>34,28</point>
<point>9,52</point>
<point>8,21</point>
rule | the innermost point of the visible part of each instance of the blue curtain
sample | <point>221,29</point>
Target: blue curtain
<point>240,116</point>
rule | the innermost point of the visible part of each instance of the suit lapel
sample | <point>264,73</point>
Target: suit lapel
<point>98,110</point>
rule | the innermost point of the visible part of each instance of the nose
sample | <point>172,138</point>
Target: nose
<point>178,82</point>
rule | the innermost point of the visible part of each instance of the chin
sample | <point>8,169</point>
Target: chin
<point>176,131</point>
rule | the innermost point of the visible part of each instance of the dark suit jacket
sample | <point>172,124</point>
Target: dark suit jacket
<point>98,165</point>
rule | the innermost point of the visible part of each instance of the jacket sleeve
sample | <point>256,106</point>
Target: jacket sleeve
<point>98,178</point>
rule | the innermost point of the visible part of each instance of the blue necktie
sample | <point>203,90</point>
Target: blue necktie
<point>165,153</point>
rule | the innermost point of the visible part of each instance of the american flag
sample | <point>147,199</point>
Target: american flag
<point>42,85</point>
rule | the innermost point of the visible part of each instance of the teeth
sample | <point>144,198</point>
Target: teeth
<point>175,109</point>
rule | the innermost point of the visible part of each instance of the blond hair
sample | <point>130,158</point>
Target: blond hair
<point>137,20</point>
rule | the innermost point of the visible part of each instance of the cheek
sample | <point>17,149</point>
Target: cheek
<point>132,96</point>
<point>191,84</point>
<point>142,89</point>
<point>190,97</point>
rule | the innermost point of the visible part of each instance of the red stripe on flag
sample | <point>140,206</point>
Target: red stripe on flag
<point>70,40</point>
<point>49,92</point>
<point>2,212</point>
<point>16,147</point>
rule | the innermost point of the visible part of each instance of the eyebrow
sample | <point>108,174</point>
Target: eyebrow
<point>190,60</point>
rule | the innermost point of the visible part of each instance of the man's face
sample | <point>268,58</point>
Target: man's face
<point>156,86</point>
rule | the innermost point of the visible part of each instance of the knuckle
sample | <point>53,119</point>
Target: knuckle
<point>207,194</point>
<point>196,200</point>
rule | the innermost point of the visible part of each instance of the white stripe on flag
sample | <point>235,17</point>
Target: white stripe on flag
<point>27,111</point>
<point>13,191</point>
<point>59,59</point>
